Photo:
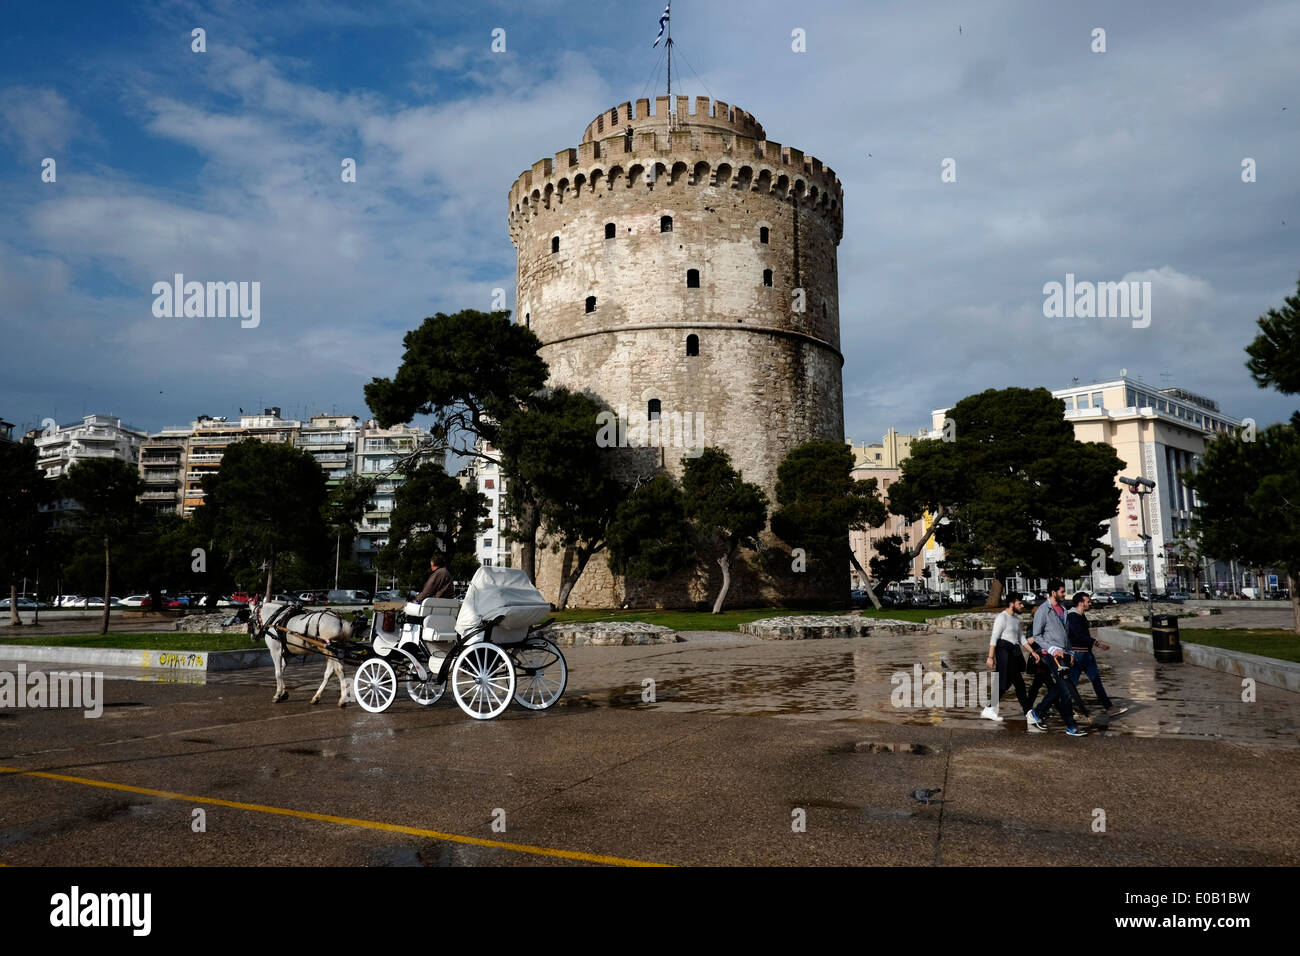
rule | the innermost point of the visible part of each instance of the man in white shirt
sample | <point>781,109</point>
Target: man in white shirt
<point>1004,652</point>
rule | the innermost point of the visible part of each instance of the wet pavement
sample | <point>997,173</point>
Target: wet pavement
<point>741,736</point>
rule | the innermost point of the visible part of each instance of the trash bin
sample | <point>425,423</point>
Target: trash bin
<point>1164,639</point>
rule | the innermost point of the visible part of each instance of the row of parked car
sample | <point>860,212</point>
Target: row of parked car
<point>933,599</point>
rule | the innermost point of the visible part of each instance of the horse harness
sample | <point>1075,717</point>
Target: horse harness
<point>290,611</point>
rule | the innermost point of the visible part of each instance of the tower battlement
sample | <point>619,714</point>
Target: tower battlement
<point>724,146</point>
<point>719,115</point>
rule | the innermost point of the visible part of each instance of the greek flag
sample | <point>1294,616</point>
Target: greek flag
<point>662,21</point>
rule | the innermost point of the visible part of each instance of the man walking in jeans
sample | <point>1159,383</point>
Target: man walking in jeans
<point>1051,636</point>
<point>1083,642</point>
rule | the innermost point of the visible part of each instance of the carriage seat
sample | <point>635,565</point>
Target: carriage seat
<point>436,618</point>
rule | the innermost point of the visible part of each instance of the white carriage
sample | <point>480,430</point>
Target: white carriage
<point>483,646</point>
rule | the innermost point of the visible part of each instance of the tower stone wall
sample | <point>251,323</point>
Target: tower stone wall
<point>688,226</point>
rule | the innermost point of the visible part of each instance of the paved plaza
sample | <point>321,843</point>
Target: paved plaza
<point>745,740</point>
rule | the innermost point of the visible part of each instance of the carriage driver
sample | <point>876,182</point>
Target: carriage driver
<point>439,583</point>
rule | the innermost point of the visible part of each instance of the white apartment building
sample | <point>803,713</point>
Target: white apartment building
<point>162,466</point>
<point>95,436</point>
<point>491,546</point>
<point>332,441</point>
<point>379,454</point>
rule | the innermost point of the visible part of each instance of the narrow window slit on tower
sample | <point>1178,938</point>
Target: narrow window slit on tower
<point>692,345</point>
<point>762,234</point>
<point>654,410</point>
<point>591,303</point>
<point>665,223</point>
<point>767,277</point>
<point>609,230</point>
<point>692,278</point>
<point>555,244</point>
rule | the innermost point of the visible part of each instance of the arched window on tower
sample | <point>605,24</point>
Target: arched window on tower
<point>762,234</point>
<point>692,278</point>
<point>591,303</point>
<point>665,223</point>
<point>767,277</point>
<point>609,230</point>
<point>692,344</point>
<point>555,244</point>
<point>654,410</point>
<point>528,316</point>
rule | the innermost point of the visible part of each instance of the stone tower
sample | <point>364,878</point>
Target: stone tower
<point>682,265</point>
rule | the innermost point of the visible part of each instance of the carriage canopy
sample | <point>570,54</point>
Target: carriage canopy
<point>505,593</point>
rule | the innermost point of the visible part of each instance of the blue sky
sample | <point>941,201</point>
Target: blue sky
<point>226,165</point>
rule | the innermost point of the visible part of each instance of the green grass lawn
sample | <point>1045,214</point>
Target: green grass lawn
<point>730,620</point>
<point>147,642</point>
<point>1280,645</point>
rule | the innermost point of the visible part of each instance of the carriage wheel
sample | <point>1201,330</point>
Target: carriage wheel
<point>375,685</point>
<point>425,692</point>
<point>483,681</point>
<point>540,673</point>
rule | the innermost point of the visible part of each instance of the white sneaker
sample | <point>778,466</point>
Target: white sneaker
<point>991,713</point>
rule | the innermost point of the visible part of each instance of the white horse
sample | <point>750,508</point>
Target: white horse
<point>286,637</point>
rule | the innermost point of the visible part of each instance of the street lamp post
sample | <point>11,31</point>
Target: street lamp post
<point>1140,487</point>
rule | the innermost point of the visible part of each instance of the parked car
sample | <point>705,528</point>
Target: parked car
<point>1121,597</point>
<point>347,596</point>
<point>97,602</point>
<point>241,597</point>
<point>312,597</point>
<point>137,600</point>
<point>70,600</point>
<point>1100,599</point>
<point>24,604</point>
<point>389,596</point>
<point>1177,597</point>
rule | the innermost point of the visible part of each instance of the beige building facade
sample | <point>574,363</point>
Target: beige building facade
<point>1158,433</point>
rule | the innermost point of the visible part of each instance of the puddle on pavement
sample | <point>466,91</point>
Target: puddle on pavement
<point>311,752</point>
<point>431,854</point>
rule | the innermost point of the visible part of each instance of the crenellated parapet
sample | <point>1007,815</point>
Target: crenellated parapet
<point>718,115</point>
<point>722,146</point>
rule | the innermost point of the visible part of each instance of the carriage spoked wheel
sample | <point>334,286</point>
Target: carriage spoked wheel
<point>540,673</point>
<point>425,692</point>
<point>483,681</point>
<point>375,685</point>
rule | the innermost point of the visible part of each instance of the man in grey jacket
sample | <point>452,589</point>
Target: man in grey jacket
<point>1053,640</point>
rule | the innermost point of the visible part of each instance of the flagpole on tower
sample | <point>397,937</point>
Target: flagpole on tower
<point>668,12</point>
<point>666,25</point>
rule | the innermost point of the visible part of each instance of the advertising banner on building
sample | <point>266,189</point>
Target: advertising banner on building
<point>1131,516</point>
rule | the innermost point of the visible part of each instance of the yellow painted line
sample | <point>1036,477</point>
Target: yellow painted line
<point>330,818</point>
